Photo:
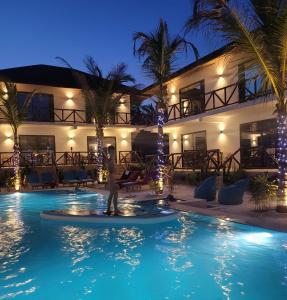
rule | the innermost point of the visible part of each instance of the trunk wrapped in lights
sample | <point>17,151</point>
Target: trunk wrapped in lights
<point>282,162</point>
<point>16,165</point>
<point>160,152</point>
<point>100,157</point>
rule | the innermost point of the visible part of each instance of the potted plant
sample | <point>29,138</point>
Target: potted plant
<point>263,191</point>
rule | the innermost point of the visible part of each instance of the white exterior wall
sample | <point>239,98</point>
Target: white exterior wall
<point>228,141</point>
<point>216,74</point>
<point>65,134</point>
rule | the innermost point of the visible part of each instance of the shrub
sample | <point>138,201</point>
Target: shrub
<point>234,176</point>
<point>263,191</point>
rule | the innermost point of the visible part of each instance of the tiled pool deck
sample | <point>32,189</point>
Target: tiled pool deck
<point>243,213</point>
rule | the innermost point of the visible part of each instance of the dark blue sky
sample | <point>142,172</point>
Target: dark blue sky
<point>36,31</point>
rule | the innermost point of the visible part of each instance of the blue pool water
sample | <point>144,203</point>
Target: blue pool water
<point>195,257</point>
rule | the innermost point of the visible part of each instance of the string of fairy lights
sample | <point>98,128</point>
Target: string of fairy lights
<point>160,151</point>
<point>281,155</point>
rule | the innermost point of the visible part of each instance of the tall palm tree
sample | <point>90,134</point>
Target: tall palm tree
<point>14,114</point>
<point>259,29</point>
<point>159,52</point>
<point>102,95</point>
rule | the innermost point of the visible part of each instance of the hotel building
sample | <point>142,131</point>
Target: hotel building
<point>216,115</point>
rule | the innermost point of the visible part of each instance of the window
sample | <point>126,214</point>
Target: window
<point>258,144</point>
<point>194,141</point>
<point>250,83</point>
<point>108,142</point>
<point>37,143</point>
<point>41,108</point>
<point>192,99</point>
<point>193,149</point>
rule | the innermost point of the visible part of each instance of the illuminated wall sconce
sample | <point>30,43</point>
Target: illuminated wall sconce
<point>124,138</point>
<point>172,89</point>
<point>221,131</point>
<point>174,139</point>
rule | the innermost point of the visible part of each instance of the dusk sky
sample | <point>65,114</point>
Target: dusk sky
<point>35,32</point>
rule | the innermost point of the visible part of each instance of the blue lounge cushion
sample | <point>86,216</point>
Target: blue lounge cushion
<point>233,194</point>
<point>48,178</point>
<point>69,177</point>
<point>207,189</point>
<point>82,175</point>
<point>33,179</point>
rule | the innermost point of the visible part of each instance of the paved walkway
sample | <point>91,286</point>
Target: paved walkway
<point>243,213</point>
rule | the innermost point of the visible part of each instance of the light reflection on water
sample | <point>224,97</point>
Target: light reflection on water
<point>195,257</point>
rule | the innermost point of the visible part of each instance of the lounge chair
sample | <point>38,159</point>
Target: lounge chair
<point>69,177</point>
<point>133,176</point>
<point>136,184</point>
<point>48,179</point>
<point>207,189</point>
<point>233,194</point>
<point>33,180</point>
<point>83,177</point>
<point>124,176</point>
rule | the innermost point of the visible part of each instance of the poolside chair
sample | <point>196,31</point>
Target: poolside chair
<point>69,177</point>
<point>83,177</point>
<point>125,175</point>
<point>207,189</point>
<point>48,179</point>
<point>33,180</point>
<point>233,194</point>
<point>130,185</point>
<point>133,176</point>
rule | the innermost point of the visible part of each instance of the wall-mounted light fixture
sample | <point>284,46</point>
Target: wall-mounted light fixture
<point>221,131</point>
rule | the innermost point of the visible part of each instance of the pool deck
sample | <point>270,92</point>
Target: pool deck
<point>243,213</point>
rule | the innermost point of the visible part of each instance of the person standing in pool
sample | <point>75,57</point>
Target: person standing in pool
<point>112,184</point>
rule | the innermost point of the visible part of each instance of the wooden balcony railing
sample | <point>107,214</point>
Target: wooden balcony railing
<point>35,159</point>
<point>234,93</point>
<point>130,157</point>
<point>77,116</point>
<point>253,158</point>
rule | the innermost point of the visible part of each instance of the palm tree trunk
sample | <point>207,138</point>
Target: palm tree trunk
<point>282,162</point>
<point>16,162</point>
<point>160,152</point>
<point>160,143</point>
<point>100,157</point>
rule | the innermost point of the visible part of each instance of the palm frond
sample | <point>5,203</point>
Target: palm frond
<point>257,30</point>
<point>14,113</point>
<point>158,51</point>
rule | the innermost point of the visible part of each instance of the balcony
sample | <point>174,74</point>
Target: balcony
<point>74,116</point>
<point>239,92</point>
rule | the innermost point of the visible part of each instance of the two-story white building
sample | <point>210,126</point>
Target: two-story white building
<point>57,119</point>
<point>214,116</point>
<point>216,113</point>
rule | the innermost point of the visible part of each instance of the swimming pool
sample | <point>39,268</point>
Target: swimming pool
<point>194,257</point>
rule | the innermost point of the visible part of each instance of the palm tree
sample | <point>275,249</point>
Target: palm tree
<point>102,95</point>
<point>159,52</point>
<point>259,29</point>
<point>15,114</point>
<point>143,114</point>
